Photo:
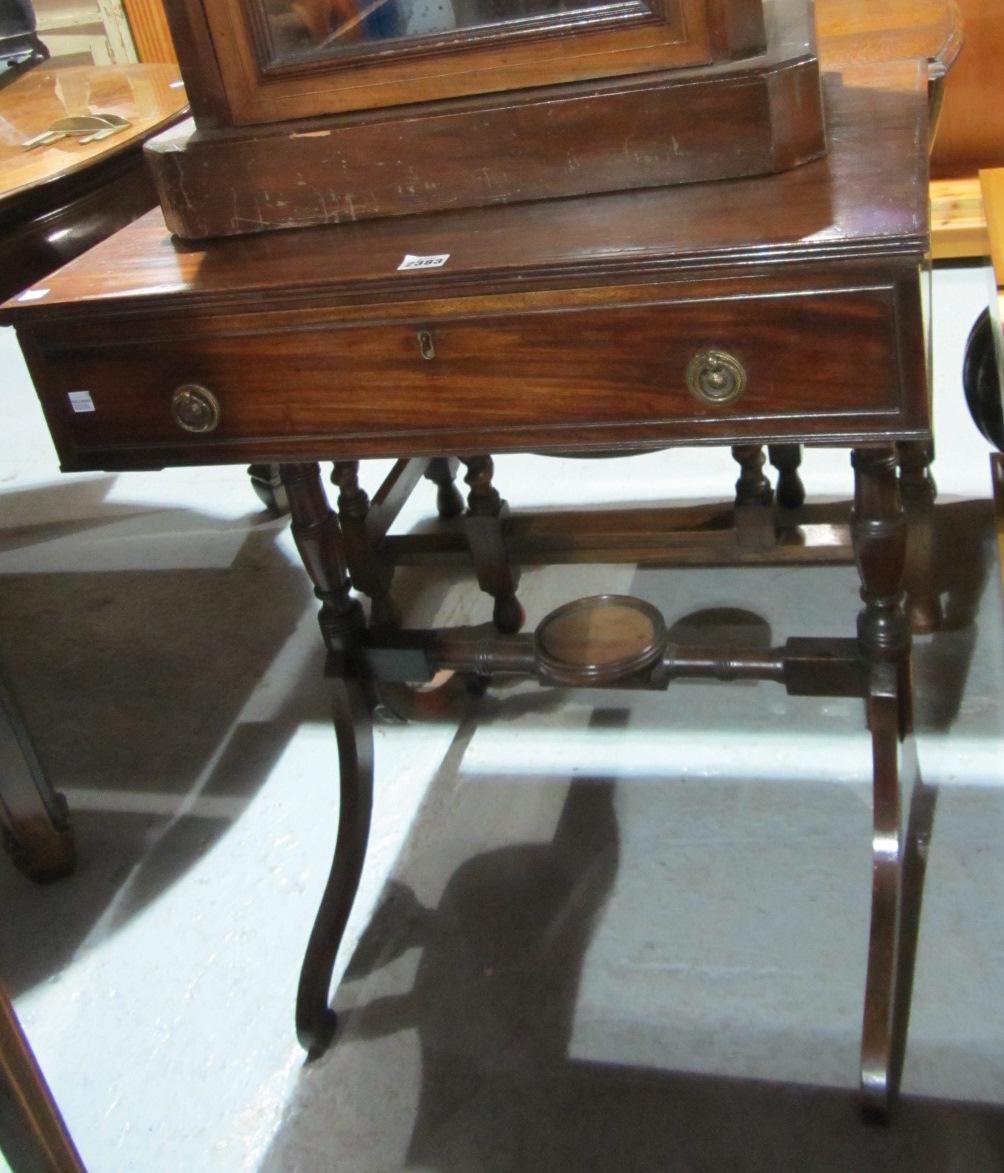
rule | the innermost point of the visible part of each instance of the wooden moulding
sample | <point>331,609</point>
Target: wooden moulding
<point>241,70</point>
<point>730,120</point>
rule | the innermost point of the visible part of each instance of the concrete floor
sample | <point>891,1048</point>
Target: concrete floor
<point>595,931</point>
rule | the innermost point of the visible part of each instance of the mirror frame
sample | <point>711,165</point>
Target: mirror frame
<point>234,78</point>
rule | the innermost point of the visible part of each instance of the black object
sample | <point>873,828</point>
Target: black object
<point>981,381</point>
<point>19,43</point>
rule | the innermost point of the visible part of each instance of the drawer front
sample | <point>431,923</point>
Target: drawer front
<point>821,366</point>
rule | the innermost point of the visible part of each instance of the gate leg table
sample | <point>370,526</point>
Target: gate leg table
<point>770,312</point>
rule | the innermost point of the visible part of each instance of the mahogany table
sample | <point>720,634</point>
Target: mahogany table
<point>776,312</point>
<point>58,199</point>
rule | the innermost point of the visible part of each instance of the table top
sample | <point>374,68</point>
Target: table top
<point>149,96</point>
<point>856,32</point>
<point>868,197</point>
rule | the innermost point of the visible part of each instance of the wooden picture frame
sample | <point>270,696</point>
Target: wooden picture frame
<point>236,75</point>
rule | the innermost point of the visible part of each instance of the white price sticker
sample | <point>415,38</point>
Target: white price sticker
<point>436,262</point>
<point>33,295</point>
<point>81,401</point>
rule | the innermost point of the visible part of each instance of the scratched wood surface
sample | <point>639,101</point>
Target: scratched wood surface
<point>817,211</point>
<point>245,81</point>
<point>753,116</point>
<point>557,326</point>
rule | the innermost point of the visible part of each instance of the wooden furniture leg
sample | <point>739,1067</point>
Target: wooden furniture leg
<point>442,471</point>
<point>364,523</point>
<point>918,490</point>
<point>318,539</point>
<point>787,459</point>
<point>33,817</point>
<point>369,574</point>
<point>33,1135</point>
<point>754,511</point>
<point>878,531</point>
<point>486,512</point>
<point>267,484</point>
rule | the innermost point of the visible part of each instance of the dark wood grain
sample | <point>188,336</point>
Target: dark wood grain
<point>261,86</point>
<point>850,32</point>
<point>534,139</point>
<point>561,326</point>
<point>867,197</point>
<point>737,27</point>
<point>581,377</point>
<point>593,309</point>
<point>318,539</point>
<point>749,117</point>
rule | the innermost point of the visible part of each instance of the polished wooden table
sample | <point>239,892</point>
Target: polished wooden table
<point>773,312</point>
<point>59,199</point>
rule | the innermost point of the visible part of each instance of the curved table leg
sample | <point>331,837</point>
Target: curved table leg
<point>318,539</point>
<point>315,1020</point>
<point>878,530</point>
<point>895,772</point>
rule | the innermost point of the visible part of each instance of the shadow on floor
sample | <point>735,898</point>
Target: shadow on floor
<point>965,556</point>
<point>134,685</point>
<point>463,1061</point>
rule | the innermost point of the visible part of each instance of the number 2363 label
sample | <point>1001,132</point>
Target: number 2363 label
<point>428,262</point>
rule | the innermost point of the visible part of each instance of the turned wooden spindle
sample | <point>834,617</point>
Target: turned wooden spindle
<point>318,539</point>
<point>786,459</point>
<point>368,572</point>
<point>486,512</point>
<point>442,471</point>
<point>879,536</point>
<point>754,514</point>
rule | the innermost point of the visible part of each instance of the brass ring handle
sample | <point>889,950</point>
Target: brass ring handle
<point>716,377</point>
<point>195,408</point>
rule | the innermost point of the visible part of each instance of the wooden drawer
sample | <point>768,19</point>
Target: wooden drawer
<point>821,365</point>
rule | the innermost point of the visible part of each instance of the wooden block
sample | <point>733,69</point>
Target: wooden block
<point>992,185</point>
<point>958,222</point>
